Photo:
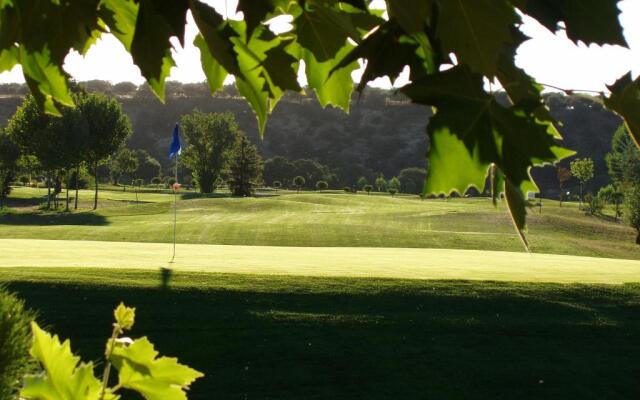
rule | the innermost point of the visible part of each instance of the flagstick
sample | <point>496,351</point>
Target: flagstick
<point>175,209</point>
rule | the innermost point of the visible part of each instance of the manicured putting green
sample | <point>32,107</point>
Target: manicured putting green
<point>402,263</point>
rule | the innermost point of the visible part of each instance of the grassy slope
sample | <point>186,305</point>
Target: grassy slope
<point>322,220</point>
<point>347,338</point>
<point>321,261</point>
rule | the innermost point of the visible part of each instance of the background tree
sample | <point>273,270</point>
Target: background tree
<point>210,139</point>
<point>412,179</point>
<point>368,188</point>
<point>57,142</point>
<point>623,162</point>
<point>392,191</point>
<point>9,155</point>
<point>312,171</point>
<point>107,130</point>
<point>148,167</point>
<point>156,180</point>
<point>277,185</point>
<point>563,175</point>
<point>279,169</point>
<point>632,208</point>
<point>123,164</point>
<point>322,185</point>
<point>381,183</point>
<point>362,182</point>
<point>394,183</point>
<point>595,204</point>
<point>611,195</point>
<point>29,166</point>
<point>245,169</point>
<point>299,182</point>
<point>582,168</point>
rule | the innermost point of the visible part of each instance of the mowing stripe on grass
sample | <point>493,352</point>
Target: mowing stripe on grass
<point>402,263</point>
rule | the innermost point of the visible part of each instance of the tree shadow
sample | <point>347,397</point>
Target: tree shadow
<point>47,219</point>
<point>165,277</point>
<point>193,195</point>
<point>291,338</point>
<point>13,202</point>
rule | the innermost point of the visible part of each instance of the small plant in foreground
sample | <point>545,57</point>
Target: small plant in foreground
<point>14,343</point>
<point>137,362</point>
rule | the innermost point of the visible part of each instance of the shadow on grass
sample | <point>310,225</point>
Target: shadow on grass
<point>14,202</point>
<point>320,338</point>
<point>193,195</point>
<point>46,219</point>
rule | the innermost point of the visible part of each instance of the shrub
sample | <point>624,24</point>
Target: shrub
<point>393,191</point>
<point>347,189</point>
<point>277,185</point>
<point>169,181</point>
<point>156,181</point>
<point>24,179</point>
<point>362,182</point>
<point>85,180</point>
<point>322,185</point>
<point>368,188</point>
<point>595,204</point>
<point>606,193</point>
<point>14,343</point>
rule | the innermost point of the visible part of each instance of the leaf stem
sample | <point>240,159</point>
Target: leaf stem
<point>107,368</point>
<point>569,91</point>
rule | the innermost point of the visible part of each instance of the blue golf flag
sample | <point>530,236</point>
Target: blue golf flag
<point>175,148</point>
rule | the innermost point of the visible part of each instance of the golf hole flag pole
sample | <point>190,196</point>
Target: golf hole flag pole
<point>174,152</point>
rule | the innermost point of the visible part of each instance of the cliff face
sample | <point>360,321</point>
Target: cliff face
<point>382,133</point>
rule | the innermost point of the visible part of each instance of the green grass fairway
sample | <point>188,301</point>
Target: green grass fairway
<point>319,219</point>
<point>338,296</point>
<point>278,337</point>
<point>322,261</point>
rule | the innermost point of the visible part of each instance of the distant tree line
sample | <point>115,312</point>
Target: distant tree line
<point>383,133</point>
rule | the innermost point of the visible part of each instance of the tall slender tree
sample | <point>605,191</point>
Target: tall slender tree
<point>582,168</point>
<point>107,130</point>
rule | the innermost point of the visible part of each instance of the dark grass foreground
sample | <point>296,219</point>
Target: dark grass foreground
<point>258,337</point>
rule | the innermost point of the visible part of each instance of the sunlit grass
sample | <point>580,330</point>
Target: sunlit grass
<point>319,219</point>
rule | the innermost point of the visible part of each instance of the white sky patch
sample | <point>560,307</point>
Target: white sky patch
<point>550,58</point>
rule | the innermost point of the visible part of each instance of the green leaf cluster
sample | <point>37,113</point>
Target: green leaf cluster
<point>65,377</point>
<point>451,48</point>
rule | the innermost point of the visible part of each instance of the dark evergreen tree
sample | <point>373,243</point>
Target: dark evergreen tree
<point>245,169</point>
<point>9,155</point>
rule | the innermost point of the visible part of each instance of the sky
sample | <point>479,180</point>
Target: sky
<point>550,58</point>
